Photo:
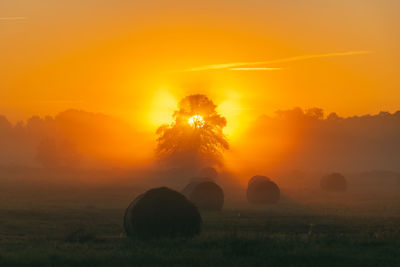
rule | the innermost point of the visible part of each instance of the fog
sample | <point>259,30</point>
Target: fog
<point>308,141</point>
<point>92,155</point>
<point>72,139</point>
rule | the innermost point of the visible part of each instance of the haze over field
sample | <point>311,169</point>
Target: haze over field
<point>95,85</point>
<point>290,139</point>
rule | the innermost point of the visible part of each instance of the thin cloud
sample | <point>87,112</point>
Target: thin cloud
<point>13,18</point>
<point>56,101</point>
<point>254,68</point>
<point>242,65</point>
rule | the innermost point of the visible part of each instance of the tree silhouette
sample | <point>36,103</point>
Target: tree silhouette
<point>195,137</point>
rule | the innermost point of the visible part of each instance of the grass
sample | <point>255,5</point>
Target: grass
<point>89,236</point>
<point>68,225</point>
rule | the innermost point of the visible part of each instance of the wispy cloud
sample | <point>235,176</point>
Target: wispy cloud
<point>254,68</point>
<point>13,18</point>
<point>245,65</point>
<point>59,101</point>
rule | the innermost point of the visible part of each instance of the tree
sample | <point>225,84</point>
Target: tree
<point>195,137</point>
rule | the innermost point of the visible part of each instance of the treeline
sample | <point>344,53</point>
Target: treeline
<point>291,139</point>
<point>308,140</point>
<point>72,139</point>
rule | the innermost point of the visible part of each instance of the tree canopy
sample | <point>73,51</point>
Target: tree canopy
<point>196,135</point>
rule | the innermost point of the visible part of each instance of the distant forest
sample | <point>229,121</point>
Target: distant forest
<point>313,141</point>
<point>301,139</point>
<point>72,139</point>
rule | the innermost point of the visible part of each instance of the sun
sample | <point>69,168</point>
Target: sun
<point>196,121</point>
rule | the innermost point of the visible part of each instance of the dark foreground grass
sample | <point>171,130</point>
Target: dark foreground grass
<point>93,237</point>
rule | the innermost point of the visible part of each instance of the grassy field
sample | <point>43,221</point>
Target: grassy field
<point>50,224</point>
<point>272,236</point>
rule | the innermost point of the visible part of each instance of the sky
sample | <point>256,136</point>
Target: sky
<point>137,59</point>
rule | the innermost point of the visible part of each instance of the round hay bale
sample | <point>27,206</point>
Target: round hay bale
<point>162,212</point>
<point>261,190</point>
<point>209,172</point>
<point>258,178</point>
<point>334,182</point>
<point>206,195</point>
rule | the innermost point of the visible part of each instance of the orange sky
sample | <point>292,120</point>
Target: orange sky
<point>125,58</point>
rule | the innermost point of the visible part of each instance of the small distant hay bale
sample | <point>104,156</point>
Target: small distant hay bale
<point>209,172</point>
<point>160,213</point>
<point>261,190</point>
<point>205,194</point>
<point>334,182</point>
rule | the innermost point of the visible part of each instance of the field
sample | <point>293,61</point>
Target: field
<point>91,236</point>
<point>70,226</point>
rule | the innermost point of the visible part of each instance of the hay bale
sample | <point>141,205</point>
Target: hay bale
<point>205,194</point>
<point>209,172</point>
<point>258,178</point>
<point>261,190</point>
<point>334,182</point>
<point>161,212</point>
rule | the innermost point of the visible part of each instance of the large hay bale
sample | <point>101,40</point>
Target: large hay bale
<point>205,194</point>
<point>261,190</point>
<point>258,178</point>
<point>209,172</point>
<point>161,212</point>
<point>334,182</point>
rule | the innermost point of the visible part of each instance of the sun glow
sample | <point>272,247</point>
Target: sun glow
<point>161,107</point>
<point>196,121</point>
